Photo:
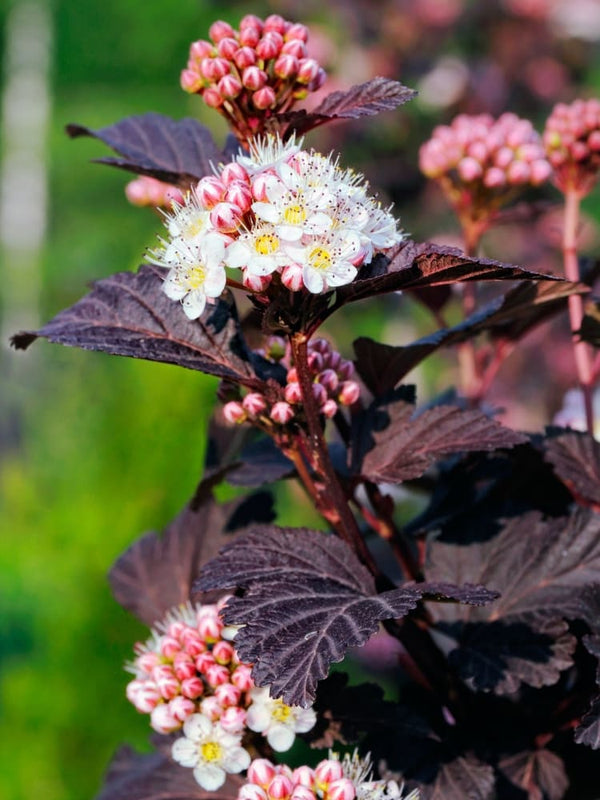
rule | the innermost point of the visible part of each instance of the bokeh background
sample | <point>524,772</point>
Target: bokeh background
<point>96,450</point>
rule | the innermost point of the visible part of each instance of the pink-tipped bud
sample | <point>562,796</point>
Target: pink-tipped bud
<point>168,685</point>
<point>250,36</point>
<point>234,413</point>
<point>333,360</point>
<point>345,370</point>
<point>316,362</point>
<point>251,21</point>
<point>303,776</point>
<point>227,47</point>
<point>579,151</point>
<point>260,186</point>
<point>254,403</point>
<point>269,46</point>
<point>163,720</point>
<point>294,47</point>
<point>349,393</point>
<point>261,772</point>
<point>244,57</point>
<point>209,626</point>
<point>226,217</point>
<point>211,708</point>
<point>240,195</point>
<point>286,66</point>
<point>319,393</point>
<point>256,283</point>
<point>204,661</point>
<point>540,171</point>
<point>593,141</point>
<point>201,49</point>
<point>254,78</point>
<point>219,30</point>
<point>308,70</point>
<point>214,69</point>
<point>292,375</point>
<point>144,695</point>
<point>494,177</point>
<point>250,791</point>
<point>216,675</point>
<point>291,277</point>
<point>518,172</point>
<point>293,393</point>
<point>280,788</point>
<point>281,413</point>
<point>210,191</point>
<point>193,642</point>
<point>303,793</point>
<point>264,98</point>
<point>233,719</point>
<point>212,97</point>
<point>296,31</point>
<point>342,789</point>
<point>329,408</point>
<point>176,629</point>
<point>228,695</point>
<point>478,151</point>
<point>169,646</point>
<point>329,379</point>
<point>274,22</point>
<point>230,87</point>
<point>469,169</point>
<point>328,771</point>
<point>242,677</point>
<point>234,173</point>
<point>147,661</point>
<point>181,708</point>
<point>223,652</point>
<point>190,81</point>
<point>184,666</point>
<point>192,687</point>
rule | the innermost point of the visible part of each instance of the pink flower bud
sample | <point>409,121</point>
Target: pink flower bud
<point>169,646</point>
<point>250,791</point>
<point>228,695</point>
<point>183,666</point>
<point>292,393</point>
<point>292,375</point>
<point>192,687</point>
<point>593,141</point>
<point>210,627</point>
<point>256,283</point>
<point>201,49</point>
<point>319,393</point>
<point>216,675</point>
<point>147,661</point>
<point>242,678</point>
<point>230,87</point>
<point>244,57</point>
<point>223,651</point>
<point>280,788</point>
<point>328,771</point>
<point>255,404</point>
<point>219,30</point>
<point>260,185</point>
<point>214,69</point>
<point>168,685</point>
<point>303,793</point>
<point>294,47</point>
<point>291,277</point>
<point>251,21</point>
<point>308,70</point>
<point>503,157</point>
<point>345,370</point>
<point>494,177</point>
<point>240,195</point>
<point>227,47</point>
<point>234,413</point>
<point>540,171</point>
<point>204,661</point>
<point>342,789</point>
<point>349,393</point>
<point>518,172</point>
<point>329,408</point>
<point>329,379</point>
<point>316,361</point>
<point>269,46</point>
<point>212,97</point>
<point>250,37</point>
<point>233,719</point>
<point>264,98</point>
<point>144,695</point>
<point>296,31</point>
<point>163,720</point>
<point>303,776</point>
<point>181,708</point>
<point>281,413</point>
<point>210,191</point>
<point>193,642</point>
<point>234,173</point>
<point>226,217</point>
<point>286,66</point>
<point>190,81</point>
<point>254,78</point>
<point>478,151</point>
<point>469,169</point>
<point>261,772</point>
<point>332,359</point>
<point>274,22</point>
<point>211,708</point>
<point>579,151</point>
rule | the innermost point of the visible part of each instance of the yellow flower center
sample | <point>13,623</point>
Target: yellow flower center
<point>211,751</point>
<point>320,258</point>
<point>266,244</point>
<point>194,227</point>
<point>281,713</point>
<point>196,277</point>
<point>294,215</point>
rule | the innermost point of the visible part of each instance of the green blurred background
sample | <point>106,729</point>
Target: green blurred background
<point>95,450</point>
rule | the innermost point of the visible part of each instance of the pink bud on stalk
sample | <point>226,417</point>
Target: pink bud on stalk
<point>282,413</point>
<point>572,140</point>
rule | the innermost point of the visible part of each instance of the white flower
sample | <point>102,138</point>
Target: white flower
<point>258,251</point>
<point>196,272</point>
<point>359,771</point>
<point>189,220</point>
<point>211,752</point>
<point>327,260</point>
<point>268,153</point>
<point>277,721</point>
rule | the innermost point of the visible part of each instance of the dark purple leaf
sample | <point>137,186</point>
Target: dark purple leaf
<point>261,462</point>
<point>364,100</point>
<point>307,599</point>
<point>178,152</point>
<point>383,366</point>
<point>156,572</point>
<point>590,325</point>
<point>154,776</point>
<point>410,442</point>
<point>461,779</point>
<point>588,732</point>
<point>576,460</point>
<point>540,773</point>
<point>128,314</point>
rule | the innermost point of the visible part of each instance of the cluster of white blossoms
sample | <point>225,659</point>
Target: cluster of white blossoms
<point>188,675</point>
<point>279,210</point>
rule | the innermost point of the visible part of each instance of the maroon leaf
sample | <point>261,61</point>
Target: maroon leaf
<point>363,100</point>
<point>543,569</point>
<point>178,152</point>
<point>540,773</point>
<point>307,599</point>
<point>154,776</point>
<point>588,732</point>
<point>382,366</point>
<point>410,442</point>
<point>463,778</point>
<point>156,572</point>
<point>128,314</point>
<point>576,460</point>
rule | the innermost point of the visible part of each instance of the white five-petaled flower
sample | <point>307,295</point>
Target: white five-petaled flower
<point>210,751</point>
<point>267,153</point>
<point>327,260</point>
<point>277,721</point>
<point>196,272</point>
<point>258,251</point>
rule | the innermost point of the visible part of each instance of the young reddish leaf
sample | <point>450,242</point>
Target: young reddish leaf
<point>154,776</point>
<point>382,366</point>
<point>178,152</point>
<point>306,600</point>
<point>540,773</point>
<point>364,100</point>
<point>466,777</point>
<point>128,314</point>
<point>575,457</point>
<point>410,442</point>
<point>156,572</point>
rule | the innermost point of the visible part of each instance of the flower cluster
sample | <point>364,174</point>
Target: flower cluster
<point>278,210</point>
<point>486,157</point>
<point>572,140</point>
<point>332,386</point>
<point>147,191</point>
<point>254,72</point>
<point>331,779</point>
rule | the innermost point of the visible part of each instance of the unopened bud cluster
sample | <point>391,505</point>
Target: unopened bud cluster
<point>332,387</point>
<point>279,210</point>
<point>147,191</point>
<point>254,72</point>
<point>331,779</point>
<point>572,141</point>
<point>487,157</point>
